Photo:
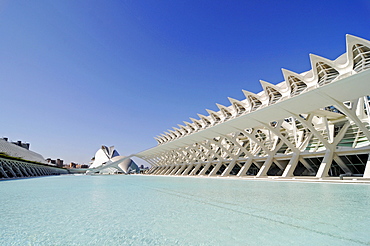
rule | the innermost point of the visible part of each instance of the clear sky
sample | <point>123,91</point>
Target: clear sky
<point>76,75</point>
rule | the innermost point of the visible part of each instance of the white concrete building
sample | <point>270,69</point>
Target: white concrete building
<point>108,161</point>
<point>312,124</point>
<point>26,163</point>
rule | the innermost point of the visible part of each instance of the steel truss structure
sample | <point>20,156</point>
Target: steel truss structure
<point>312,124</point>
<point>20,169</point>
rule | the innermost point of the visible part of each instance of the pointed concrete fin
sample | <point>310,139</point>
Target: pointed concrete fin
<point>232,100</point>
<point>316,58</point>
<point>350,42</point>
<point>222,107</point>
<point>351,39</point>
<point>214,114</point>
<point>177,130</point>
<point>196,122</point>
<point>111,151</point>
<point>211,112</point>
<point>247,93</point>
<point>168,135</point>
<point>186,123</point>
<point>236,108</point>
<point>189,125</point>
<point>157,139</point>
<point>287,73</point>
<point>165,138</point>
<point>229,111</point>
<point>201,116</point>
<point>265,84</point>
<point>205,119</point>
<point>174,135</point>
<point>105,150</point>
<point>183,128</point>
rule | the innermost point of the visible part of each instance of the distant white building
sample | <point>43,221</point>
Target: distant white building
<point>314,123</point>
<point>108,161</point>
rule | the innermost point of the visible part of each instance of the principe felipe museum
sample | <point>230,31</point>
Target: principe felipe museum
<point>314,124</point>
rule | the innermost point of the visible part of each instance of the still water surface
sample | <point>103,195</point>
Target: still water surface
<point>150,210</point>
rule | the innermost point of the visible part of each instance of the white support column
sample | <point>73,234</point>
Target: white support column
<point>2,171</point>
<point>187,170</point>
<point>161,171</point>
<point>177,167</point>
<point>245,167</point>
<point>306,165</point>
<point>182,167</point>
<point>341,164</point>
<point>266,166</point>
<point>215,169</point>
<point>15,166</point>
<point>367,168</point>
<point>205,169</point>
<point>325,164</point>
<point>229,168</point>
<point>10,169</point>
<point>280,165</point>
<point>288,171</point>
<point>351,113</point>
<point>153,170</point>
<point>196,168</point>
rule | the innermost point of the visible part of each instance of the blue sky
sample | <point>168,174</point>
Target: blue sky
<point>75,75</point>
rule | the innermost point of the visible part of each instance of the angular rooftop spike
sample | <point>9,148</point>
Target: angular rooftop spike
<point>168,136</point>
<point>184,129</point>
<point>211,112</point>
<point>174,134</point>
<point>247,93</point>
<point>197,123</point>
<point>287,73</point>
<point>255,103</point>
<point>265,84</point>
<point>239,106</point>
<point>232,100</point>
<point>165,137</point>
<point>180,134</point>
<point>176,129</point>
<point>220,106</point>
<point>351,40</point>
<point>225,111</point>
<point>324,70</point>
<point>190,126</point>
<point>273,92</point>
<point>201,116</point>
<point>316,58</point>
<point>205,120</point>
<point>295,82</point>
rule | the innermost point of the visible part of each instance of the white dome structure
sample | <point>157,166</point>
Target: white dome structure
<point>108,161</point>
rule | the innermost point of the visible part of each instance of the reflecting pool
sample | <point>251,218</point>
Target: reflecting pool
<point>152,210</point>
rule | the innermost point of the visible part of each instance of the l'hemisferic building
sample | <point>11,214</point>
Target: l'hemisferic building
<point>312,124</point>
